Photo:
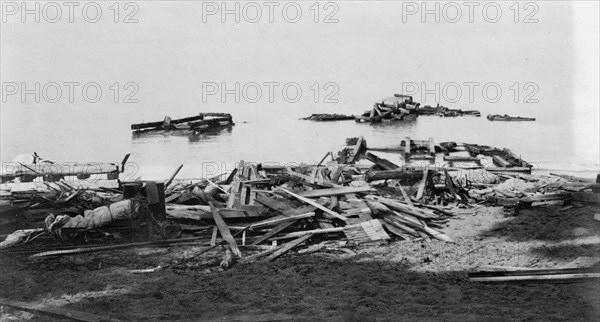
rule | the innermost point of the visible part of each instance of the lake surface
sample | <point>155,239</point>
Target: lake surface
<point>174,58</point>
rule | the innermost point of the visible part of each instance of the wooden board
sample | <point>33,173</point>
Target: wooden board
<point>277,220</point>
<point>224,230</point>
<point>334,191</point>
<point>314,204</point>
<point>367,231</point>
<point>287,246</point>
<point>57,312</point>
<point>283,206</point>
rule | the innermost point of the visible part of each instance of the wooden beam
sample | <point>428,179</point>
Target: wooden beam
<point>273,232</point>
<point>287,246</point>
<point>168,181</point>
<point>54,311</point>
<point>405,195</point>
<point>499,161</point>
<point>407,148</point>
<point>423,183</point>
<point>224,230</point>
<point>334,191</point>
<point>314,204</point>
<point>381,162</point>
<point>199,212</point>
<point>431,147</point>
<point>312,232</point>
<point>275,220</point>
<point>283,206</point>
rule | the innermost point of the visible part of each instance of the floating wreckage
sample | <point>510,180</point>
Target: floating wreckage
<point>498,160</point>
<point>195,124</point>
<point>508,118</point>
<point>443,111</point>
<point>395,108</point>
<point>328,117</point>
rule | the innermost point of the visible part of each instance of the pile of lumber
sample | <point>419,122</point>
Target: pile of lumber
<point>381,112</point>
<point>201,122</point>
<point>293,206</point>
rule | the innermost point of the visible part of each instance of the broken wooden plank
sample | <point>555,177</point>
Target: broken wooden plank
<point>224,230</point>
<point>314,204</point>
<point>54,311</point>
<point>377,208</point>
<point>535,275</point>
<point>437,235</point>
<point>431,147</point>
<point>422,184</point>
<point>213,239</point>
<point>402,174</point>
<point>390,219</point>
<point>394,230</point>
<point>334,191</point>
<point>168,181</point>
<point>287,246</point>
<point>417,212</point>
<point>405,195</point>
<point>311,232</point>
<point>449,183</point>
<point>276,220</point>
<point>367,231</point>
<point>283,206</point>
<point>273,232</point>
<point>499,161</point>
<point>199,212</point>
<point>381,162</point>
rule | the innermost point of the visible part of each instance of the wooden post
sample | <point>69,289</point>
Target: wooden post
<point>431,147</point>
<point>423,183</point>
<point>407,148</point>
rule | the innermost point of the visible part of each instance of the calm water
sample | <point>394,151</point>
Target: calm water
<point>369,54</point>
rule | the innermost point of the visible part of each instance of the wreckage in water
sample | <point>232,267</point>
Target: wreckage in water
<point>508,118</point>
<point>199,123</point>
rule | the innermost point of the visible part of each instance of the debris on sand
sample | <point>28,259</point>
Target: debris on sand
<point>261,212</point>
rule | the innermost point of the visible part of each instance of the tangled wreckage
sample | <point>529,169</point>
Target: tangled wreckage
<point>260,212</point>
<point>195,124</point>
<point>395,108</point>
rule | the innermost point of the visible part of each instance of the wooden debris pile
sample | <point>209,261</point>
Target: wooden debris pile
<point>201,122</point>
<point>395,108</point>
<point>444,111</point>
<point>508,118</point>
<point>521,192</point>
<point>274,209</point>
<point>289,206</point>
